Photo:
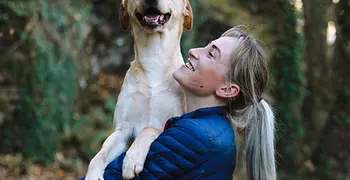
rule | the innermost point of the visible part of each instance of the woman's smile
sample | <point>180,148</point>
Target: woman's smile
<point>189,65</point>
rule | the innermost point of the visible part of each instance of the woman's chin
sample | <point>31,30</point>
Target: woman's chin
<point>176,75</point>
<point>183,76</point>
<point>179,74</point>
<point>180,77</point>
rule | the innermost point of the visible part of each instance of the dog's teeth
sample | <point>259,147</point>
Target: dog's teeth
<point>151,18</point>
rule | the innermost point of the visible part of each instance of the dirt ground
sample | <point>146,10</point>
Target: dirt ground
<point>12,167</point>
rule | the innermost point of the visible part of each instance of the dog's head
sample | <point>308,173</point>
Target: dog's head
<point>155,15</point>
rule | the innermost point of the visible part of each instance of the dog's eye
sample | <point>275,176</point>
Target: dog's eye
<point>211,54</point>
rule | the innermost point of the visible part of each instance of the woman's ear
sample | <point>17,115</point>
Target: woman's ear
<point>230,90</point>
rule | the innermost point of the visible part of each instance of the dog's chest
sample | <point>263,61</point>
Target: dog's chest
<point>144,105</point>
<point>152,89</point>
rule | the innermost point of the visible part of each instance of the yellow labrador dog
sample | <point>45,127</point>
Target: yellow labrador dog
<point>149,94</point>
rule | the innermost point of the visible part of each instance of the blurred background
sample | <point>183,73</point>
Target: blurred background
<point>62,63</point>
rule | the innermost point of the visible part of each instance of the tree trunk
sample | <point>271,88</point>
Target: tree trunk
<point>318,98</point>
<point>331,146</point>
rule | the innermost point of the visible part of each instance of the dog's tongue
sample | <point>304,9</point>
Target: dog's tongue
<point>151,18</point>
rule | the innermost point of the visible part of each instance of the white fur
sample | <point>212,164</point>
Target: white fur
<point>137,153</point>
<point>149,95</point>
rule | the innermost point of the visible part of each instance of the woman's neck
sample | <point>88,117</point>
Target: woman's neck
<point>195,102</point>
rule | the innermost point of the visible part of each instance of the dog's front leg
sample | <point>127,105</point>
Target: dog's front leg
<point>114,145</point>
<point>136,155</point>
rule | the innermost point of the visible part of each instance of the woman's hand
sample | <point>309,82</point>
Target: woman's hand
<point>136,155</point>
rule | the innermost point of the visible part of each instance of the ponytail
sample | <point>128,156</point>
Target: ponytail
<point>257,120</point>
<point>259,143</point>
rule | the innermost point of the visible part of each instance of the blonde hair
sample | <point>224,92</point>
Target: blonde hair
<point>248,111</point>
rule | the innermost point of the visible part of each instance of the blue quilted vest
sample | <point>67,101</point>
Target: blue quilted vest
<point>197,145</point>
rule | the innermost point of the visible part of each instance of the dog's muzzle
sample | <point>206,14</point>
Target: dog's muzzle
<point>153,18</point>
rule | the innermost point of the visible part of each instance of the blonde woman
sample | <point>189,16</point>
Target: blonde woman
<point>223,83</point>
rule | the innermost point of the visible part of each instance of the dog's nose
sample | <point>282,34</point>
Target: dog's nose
<point>151,3</point>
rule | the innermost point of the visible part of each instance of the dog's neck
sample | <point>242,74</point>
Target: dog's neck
<point>157,54</point>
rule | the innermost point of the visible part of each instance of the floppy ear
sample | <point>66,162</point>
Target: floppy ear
<point>188,16</point>
<point>124,17</point>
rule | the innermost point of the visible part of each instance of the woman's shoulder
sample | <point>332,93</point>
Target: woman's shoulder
<point>211,130</point>
<point>209,124</point>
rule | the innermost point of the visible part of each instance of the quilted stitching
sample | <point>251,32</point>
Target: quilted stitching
<point>178,144</point>
<point>183,151</point>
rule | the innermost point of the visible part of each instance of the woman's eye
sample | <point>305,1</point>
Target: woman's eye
<point>211,54</point>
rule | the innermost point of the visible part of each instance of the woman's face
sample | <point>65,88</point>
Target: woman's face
<point>207,68</point>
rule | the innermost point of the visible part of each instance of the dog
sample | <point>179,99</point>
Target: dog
<point>149,94</point>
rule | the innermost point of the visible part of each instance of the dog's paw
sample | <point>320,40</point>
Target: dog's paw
<point>133,163</point>
<point>95,174</point>
<point>95,169</point>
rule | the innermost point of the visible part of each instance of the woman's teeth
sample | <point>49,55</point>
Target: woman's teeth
<point>189,66</point>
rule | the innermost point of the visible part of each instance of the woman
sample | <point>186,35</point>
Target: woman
<point>223,84</point>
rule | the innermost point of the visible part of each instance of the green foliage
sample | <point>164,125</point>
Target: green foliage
<point>289,81</point>
<point>47,81</point>
<point>188,39</point>
<point>110,104</point>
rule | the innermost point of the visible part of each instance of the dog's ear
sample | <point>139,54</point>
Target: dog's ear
<point>124,17</point>
<point>188,16</point>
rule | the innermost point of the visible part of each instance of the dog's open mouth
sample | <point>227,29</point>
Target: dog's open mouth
<point>153,18</point>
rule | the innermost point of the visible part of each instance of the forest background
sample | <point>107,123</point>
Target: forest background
<point>62,63</point>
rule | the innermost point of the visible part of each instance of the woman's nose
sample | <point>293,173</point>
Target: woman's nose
<point>192,53</point>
